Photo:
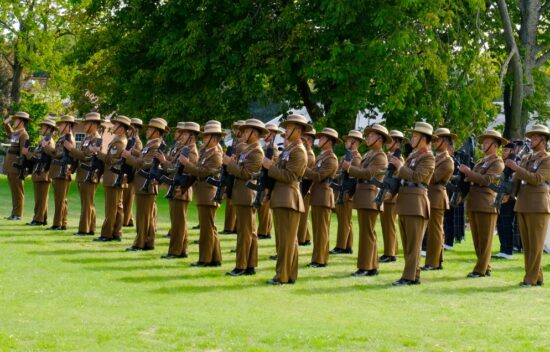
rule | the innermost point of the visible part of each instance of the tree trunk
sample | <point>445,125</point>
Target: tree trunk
<point>507,97</point>
<point>15,92</point>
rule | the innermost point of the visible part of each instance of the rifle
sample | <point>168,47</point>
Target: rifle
<point>459,187</point>
<point>345,184</point>
<point>95,166</point>
<point>43,162</point>
<point>66,160</point>
<point>224,184</point>
<point>155,171</point>
<point>305,186</point>
<point>23,164</point>
<point>505,185</point>
<point>263,181</point>
<point>124,168</point>
<point>180,179</point>
<point>389,184</point>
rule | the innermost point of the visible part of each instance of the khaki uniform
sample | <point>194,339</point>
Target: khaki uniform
<point>128,193</point>
<point>373,164</point>
<point>61,183</point>
<point>482,214</point>
<point>248,163</point>
<point>322,202</point>
<point>413,208</point>
<point>112,224</point>
<point>17,143</point>
<point>303,229</point>
<point>210,160</point>
<point>439,202</point>
<point>180,203</point>
<point>231,218</point>
<point>41,185</point>
<point>387,222</point>
<point>344,212</point>
<point>145,200</point>
<point>265,222</point>
<point>533,209</point>
<point>87,190</point>
<point>287,205</point>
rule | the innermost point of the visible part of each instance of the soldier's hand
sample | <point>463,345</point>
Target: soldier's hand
<point>183,160</point>
<point>227,159</point>
<point>396,162</point>
<point>43,143</point>
<point>7,120</point>
<point>346,165</point>
<point>68,145</point>
<point>387,196</point>
<point>25,152</point>
<point>95,149</point>
<point>511,164</point>
<point>160,156</point>
<point>125,153</point>
<point>267,163</point>
<point>464,169</point>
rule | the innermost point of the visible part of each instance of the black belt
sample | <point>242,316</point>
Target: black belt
<point>415,185</point>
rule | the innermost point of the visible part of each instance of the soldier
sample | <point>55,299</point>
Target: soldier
<point>209,163</point>
<point>373,164</point>
<point>230,223</point>
<point>42,180</point>
<point>344,236</point>
<point>111,230</point>
<point>146,198</point>
<point>264,213</point>
<point>129,192</point>
<point>61,181</point>
<point>533,203</point>
<point>18,138</point>
<point>243,167</point>
<point>322,197</point>
<point>439,202</point>
<point>412,205</point>
<point>87,190</point>
<point>388,217</point>
<point>186,136</point>
<point>304,237</point>
<point>480,199</point>
<point>286,201</point>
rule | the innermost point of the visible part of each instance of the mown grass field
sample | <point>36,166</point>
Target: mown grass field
<point>61,292</point>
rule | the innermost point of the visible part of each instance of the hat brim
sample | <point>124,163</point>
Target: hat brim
<point>531,133</point>
<point>503,141</point>
<point>124,123</point>
<point>263,131</point>
<point>71,122</point>
<point>411,130</point>
<point>187,129</point>
<point>346,136</point>
<point>320,134</point>
<point>47,124</point>
<point>307,127</point>
<point>162,129</point>
<point>451,135</point>
<point>207,133</point>
<point>13,117</point>
<point>368,130</point>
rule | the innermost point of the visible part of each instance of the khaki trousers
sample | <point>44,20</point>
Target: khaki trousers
<point>112,225</point>
<point>367,257</point>
<point>128,195</point>
<point>247,240</point>
<point>87,207</point>
<point>178,230</point>
<point>436,237</point>
<point>209,243</point>
<point>230,217</point>
<point>320,219</point>
<point>145,221</point>
<point>60,190</point>
<point>41,190</point>
<point>344,237</point>
<point>389,233</point>
<point>532,228</point>
<point>412,231</point>
<point>264,219</point>
<point>17,194</point>
<point>303,227</point>
<point>482,226</point>
<point>286,231</point>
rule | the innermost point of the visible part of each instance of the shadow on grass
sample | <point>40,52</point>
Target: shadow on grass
<point>72,251</point>
<point>95,260</point>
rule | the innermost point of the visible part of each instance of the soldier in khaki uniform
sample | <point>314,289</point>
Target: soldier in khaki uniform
<point>304,237</point>
<point>128,193</point>
<point>344,212</point>
<point>209,163</point>
<point>264,213</point>
<point>230,223</point>
<point>248,162</point>
<point>373,164</point>
<point>83,154</point>
<point>61,182</point>
<point>286,200</point>
<point>111,230</point>
<point>439,201</point>
<point>480,199</point>
<point>413,205</point>
<point>322,198</point>
<point>146,198</point>
<point>186,136</point>
<point>18,138</point>
<point>533,203</point>
<point>388,217</point>
<point>41,181</point>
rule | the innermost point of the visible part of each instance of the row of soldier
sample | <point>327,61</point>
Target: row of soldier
<point>285,184</point>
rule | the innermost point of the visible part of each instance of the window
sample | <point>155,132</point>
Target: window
<point>79,137</point>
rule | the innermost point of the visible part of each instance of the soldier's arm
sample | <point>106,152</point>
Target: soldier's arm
<point>251,165</point>
<point>538,177</point>
<point>78,154</point>
<point>378,166</point>
<point>444,172</point>
<point>210,168</point>
<point>422,172</point>
<point>490,176</point>
<point>293,170</point>
<point>109,158</point>
<point>7,127</point>
<point>327,169</point>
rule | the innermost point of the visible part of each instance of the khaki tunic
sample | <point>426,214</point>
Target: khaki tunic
<point>17,143</point>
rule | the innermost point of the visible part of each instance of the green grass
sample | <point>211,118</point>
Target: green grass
<point>60,292</point>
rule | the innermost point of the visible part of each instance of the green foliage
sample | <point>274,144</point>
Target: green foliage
<point>37,108</point>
